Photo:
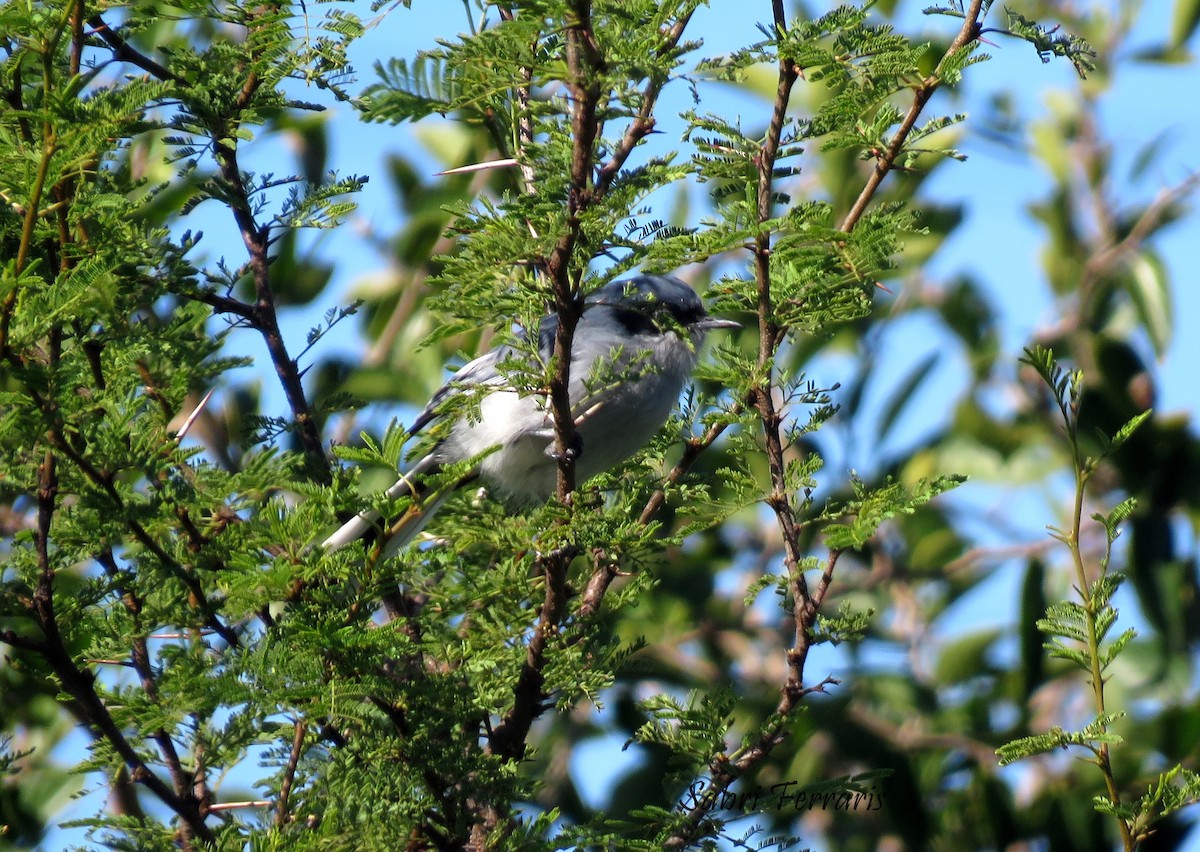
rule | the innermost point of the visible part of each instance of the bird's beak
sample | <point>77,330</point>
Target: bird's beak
<point>709,323</point>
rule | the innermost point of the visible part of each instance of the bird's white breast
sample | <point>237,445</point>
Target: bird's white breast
<point>618,416</point>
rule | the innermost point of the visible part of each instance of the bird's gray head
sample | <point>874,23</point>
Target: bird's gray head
<point>653,303</point>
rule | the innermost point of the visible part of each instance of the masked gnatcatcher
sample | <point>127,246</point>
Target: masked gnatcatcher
<point>635,345</point>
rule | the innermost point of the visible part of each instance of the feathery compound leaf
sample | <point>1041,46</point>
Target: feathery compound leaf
<point>871,507</point>
<point>848,625</point>
<point>1089,737</point>
<point>1116,517</point>
<point>1050,42</point>
<point>1126,431</point>
<point>1067,619</point>
<point>1171,791</point>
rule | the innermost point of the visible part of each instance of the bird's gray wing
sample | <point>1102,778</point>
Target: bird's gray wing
<point>478,373</point>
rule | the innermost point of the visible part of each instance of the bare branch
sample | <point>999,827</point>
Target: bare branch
<point>1115,252</point>
<point>125,53</point>
<point>282,815</point>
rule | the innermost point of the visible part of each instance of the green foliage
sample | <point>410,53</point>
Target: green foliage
<point>1051,41</point>
<point>847,626</point>
<point>1079,631</point>
<point>1091,736</point>
<point>162,589</point>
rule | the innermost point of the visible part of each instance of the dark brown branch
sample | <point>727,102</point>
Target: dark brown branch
<point>25,643</point>
<point>282,816</point>
<point>643,123</point>
<point>255,237</point>
<point>583,60</point>
<point>969,31</point>
<point>724,770</point>
<point>140,660</point>
<point>691,451</point>
<point>605,570</point>
<point>228,305</point>
<point>804,615</point>
<point>125,53</point>
<point>79,684</point>
<point>14,98</point>
<point>508,737</point>
<point>638,129</point>
<point>263,316</point>
<point>760,396</point>
<point>806,603</point>
<point>77,40</point>
<point>200,791</point>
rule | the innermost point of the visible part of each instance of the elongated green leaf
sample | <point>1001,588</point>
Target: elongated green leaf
<point>1184,18</point>
<point>1150,289</point>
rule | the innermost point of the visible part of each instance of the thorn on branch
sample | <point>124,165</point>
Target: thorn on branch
<point>821,687</point>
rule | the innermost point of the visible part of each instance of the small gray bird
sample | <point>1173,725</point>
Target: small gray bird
<point>635,345</point>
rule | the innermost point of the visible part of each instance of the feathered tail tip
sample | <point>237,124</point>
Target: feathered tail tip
<point>393,538</point>
<point>353,529</point>
<point>410,525</point>
<point>404,530</point>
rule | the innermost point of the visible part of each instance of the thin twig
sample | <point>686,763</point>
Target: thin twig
<point>191,418</point>
<point>1108,256</point>
<point>229,806</point>
<point>921,95</point>
<point>289,774</point>
<point>264,315</point>
<point>80,684</point>
<point>524,92</point>
<point>143,537</point>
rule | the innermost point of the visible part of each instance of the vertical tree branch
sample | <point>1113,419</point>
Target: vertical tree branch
<point>805,603</point>
<point>264,315</point>
<point>884,164</point>
<point>585,63</point>
<point>79,684</point>
<point>524,118</point>
<point>282,814</point>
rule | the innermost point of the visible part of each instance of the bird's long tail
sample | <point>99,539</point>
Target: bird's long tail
<point>411,523</point>
<point>402,531</point>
